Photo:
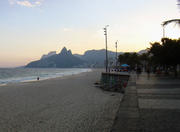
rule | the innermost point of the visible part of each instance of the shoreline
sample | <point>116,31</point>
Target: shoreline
<point>43,79</point>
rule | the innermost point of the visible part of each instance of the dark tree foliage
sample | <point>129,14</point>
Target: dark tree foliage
<point>166,53</point>
<point>156,51</point>
<point>144,57</point>
<point>131,59</point>
<point>134,59</point>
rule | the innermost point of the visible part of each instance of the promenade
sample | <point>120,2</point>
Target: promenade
<point>149,105</point>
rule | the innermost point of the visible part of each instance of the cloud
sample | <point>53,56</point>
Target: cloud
<point>38,3</point>
<point>12,2</point>
<point>67,30</point>
<point>26,3</point>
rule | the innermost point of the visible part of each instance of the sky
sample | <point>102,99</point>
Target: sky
<point>31,28</point>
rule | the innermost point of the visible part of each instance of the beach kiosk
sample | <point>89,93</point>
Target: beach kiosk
<point>125,67</point>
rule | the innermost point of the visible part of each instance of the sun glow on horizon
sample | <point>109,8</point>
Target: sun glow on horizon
<point>30,29</point>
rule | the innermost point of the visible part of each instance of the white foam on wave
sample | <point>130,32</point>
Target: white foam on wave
<point>54,74</point>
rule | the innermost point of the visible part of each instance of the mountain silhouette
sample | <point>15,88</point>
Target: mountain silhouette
<point>64,59</point>
<point>97,57</point>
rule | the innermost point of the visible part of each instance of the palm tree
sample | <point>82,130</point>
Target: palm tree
<point>176,21</point>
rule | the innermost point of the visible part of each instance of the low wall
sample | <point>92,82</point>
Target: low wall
<point>114,81</point>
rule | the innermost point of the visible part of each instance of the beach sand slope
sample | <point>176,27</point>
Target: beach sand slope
<point>67,104</point>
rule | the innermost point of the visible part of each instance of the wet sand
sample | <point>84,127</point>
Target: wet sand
<point>66,104</point>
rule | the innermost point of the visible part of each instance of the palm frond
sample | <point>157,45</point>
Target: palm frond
<point>176,21</point>
<point>178,2</point>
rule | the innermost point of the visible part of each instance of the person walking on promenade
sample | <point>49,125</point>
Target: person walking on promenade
<point>148,72</point>
<point>138,71</point>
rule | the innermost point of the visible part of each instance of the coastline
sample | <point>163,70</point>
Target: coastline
<point>70,103</point>
<point>45,78</point>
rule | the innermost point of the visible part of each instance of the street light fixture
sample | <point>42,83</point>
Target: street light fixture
<point>163,31</point>
<point>116,52</point>
<point>105,33</point>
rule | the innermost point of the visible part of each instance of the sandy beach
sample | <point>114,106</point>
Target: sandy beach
<point>66,104</point>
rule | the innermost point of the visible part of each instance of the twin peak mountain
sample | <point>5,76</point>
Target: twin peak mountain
<point>65,59</point>
<point>64,51</point>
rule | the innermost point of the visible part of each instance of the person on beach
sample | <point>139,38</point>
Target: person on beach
<point>38,78</point>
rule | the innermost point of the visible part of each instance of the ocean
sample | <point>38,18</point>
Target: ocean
<point>15,75</point>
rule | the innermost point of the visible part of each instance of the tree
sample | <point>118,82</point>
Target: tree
<point>166,53</point>
<point>145,59</point>
<point>156,51</point>
<point>176,21</point>
<point>131,59</point>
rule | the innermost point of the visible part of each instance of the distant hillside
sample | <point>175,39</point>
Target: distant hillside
<point>142,51</point>
<point>49,54</point>
<point>97,57</point>
<point>64,59</point>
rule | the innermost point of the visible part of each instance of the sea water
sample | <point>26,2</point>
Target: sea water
<point>15,75</point>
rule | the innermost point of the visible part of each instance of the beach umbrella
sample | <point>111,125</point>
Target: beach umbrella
<point>125,65</point>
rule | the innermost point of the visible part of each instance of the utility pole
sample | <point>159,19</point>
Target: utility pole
<point>105,33</point>
<point>116,52</point>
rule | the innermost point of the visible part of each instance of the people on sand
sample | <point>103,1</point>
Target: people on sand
<point>38,78</point>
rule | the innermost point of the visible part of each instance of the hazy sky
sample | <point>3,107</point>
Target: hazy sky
<point>30,28</point>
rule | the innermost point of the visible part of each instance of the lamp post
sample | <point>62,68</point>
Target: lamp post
<point>105,33</point>
<point>116,52</point>
<point>163,31</point>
